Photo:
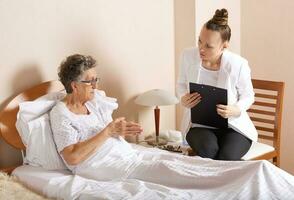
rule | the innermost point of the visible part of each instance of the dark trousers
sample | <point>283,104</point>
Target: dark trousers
<point>219,144</point>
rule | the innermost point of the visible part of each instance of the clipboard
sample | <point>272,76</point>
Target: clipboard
<point>204,112</point>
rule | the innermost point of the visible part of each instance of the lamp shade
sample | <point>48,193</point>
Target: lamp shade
<point>156,97</point>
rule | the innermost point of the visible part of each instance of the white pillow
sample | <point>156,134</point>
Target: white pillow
<point>54,96</point>
<point>41,149</point>
<point>28,111</point>
<point>35,131</point>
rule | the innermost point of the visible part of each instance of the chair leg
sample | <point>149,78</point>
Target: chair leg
<point>276,161</point>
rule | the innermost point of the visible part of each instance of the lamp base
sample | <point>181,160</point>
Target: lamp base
<point>156,141</point>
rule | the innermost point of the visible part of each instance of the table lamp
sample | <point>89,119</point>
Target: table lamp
<point>155,98</point>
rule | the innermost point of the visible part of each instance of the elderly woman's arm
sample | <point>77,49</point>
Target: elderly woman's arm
<point>76,153</point>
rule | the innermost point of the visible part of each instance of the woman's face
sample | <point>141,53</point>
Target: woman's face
<point>86,86</point>
<point>210,45</point>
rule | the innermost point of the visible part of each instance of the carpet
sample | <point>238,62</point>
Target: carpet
<point>12,189</point>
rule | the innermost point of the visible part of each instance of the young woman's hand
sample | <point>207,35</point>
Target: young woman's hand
<point>227,111</point>
<point>121,127</point>
<point>190,100</point>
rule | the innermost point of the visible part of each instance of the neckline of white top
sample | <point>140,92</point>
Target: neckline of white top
<point>75,114</point>
<point>208,70</point>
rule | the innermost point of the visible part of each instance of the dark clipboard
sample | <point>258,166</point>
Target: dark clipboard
<point>204,112</point>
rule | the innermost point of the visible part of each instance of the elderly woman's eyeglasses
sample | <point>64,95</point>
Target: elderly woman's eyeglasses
<point>91,82</point>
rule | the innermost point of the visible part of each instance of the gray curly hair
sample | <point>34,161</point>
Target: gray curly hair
<point>72,68</point>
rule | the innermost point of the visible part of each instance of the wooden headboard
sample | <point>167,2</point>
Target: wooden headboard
<point>9,112</point>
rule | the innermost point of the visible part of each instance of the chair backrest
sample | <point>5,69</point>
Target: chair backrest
<point>266,112</point>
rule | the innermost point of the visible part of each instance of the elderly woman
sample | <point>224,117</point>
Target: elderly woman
<point>82,121</point>
<point>92,144</point>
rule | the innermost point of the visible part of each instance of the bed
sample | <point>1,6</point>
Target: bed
<point>236,180</point>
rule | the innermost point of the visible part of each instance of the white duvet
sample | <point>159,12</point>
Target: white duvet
<point>159,174</point>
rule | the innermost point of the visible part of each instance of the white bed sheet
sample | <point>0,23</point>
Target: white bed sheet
<point>259,180</point>
<point>37,178</point>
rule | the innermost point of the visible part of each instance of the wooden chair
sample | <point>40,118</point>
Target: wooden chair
<point>266,114</point>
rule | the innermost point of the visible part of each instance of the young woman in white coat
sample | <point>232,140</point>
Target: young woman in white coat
<point>212,64</point>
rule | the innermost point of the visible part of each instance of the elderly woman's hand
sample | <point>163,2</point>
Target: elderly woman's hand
<point>121,127</point>
<point>227,111</point>
<point>190,100</point>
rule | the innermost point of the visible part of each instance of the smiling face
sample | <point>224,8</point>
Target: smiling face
<point>84,88</point>
<point>210,45</point>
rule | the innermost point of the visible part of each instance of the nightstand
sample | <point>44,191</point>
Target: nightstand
<point>174,147</point>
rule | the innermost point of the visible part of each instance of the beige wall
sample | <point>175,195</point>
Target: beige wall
<point>267,42</point>
<point>133,41</point>
<point>185,27</point>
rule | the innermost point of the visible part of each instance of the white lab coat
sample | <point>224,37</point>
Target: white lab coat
<point>234,75</point>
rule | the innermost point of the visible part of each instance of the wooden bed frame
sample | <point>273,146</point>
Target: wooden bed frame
<point>8,114</point>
